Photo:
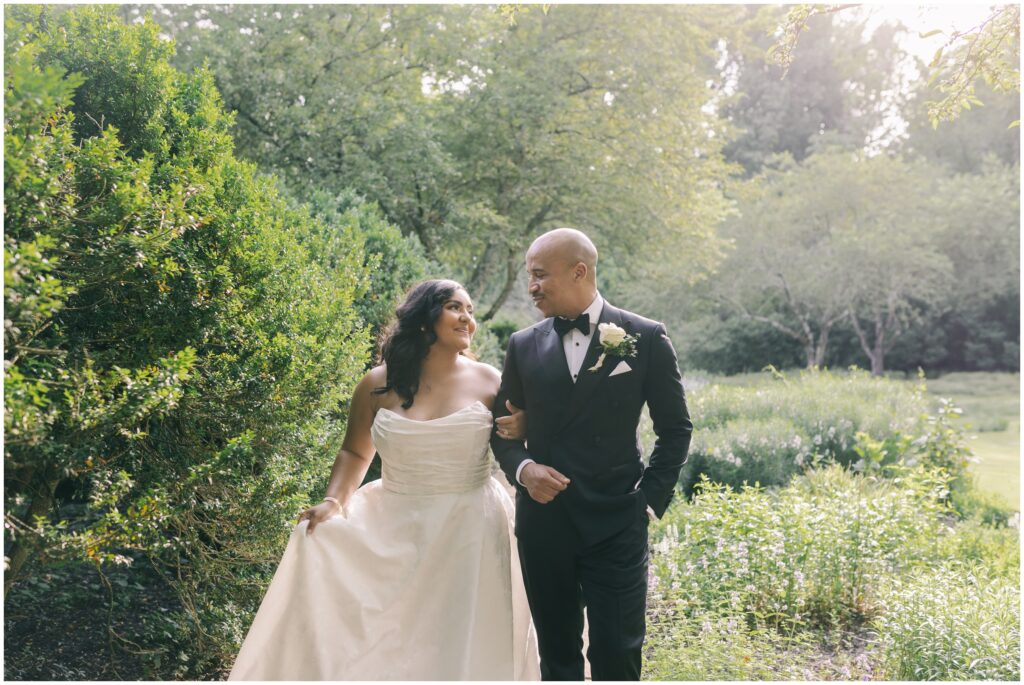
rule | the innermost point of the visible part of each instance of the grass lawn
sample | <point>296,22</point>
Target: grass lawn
<point>991,404</point>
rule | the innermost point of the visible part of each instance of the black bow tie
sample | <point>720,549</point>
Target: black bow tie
<point>581,322</point>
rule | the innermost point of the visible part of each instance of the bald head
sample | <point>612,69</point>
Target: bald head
<point>562,265</point>
<point>571,247</point>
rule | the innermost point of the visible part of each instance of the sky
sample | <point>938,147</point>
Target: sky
<point>923,18</point>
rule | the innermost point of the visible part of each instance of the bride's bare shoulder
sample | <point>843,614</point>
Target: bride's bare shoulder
<point>487,374</point>
<point>377,377</point>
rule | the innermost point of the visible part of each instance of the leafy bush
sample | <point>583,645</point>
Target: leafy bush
<point>975,504</point>
<point>814,553</point>
<point>180,340</point>
<point>756,451</point>
<point>776,427</point>
<point>977,543</point>
<point>394,262</point>
<point>955,622</point>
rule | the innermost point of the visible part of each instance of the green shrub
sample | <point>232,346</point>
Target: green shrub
<point>180,341</point>
<point>814,553</point>
<point>978,543</point>
<point>830,407</point>
<point>769,430</point>
<point>394,262</point>
<point>975,504</point>
<point>766,451</point>
<point>955,622</point>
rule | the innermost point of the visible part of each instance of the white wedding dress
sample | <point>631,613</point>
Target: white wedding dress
<point>418,580</point>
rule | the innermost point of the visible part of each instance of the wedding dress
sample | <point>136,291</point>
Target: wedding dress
<point>418,579</point>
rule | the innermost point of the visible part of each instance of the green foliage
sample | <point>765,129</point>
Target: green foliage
<point>487,346</point>
<point>978,542</point>
<point>989,52</point>
<point>807,250</point>
<point>180,339</point>
<point>394,262</point>
<point>755,451</point>
<point>729,344</point>
<point>975,504</point>
<point>816,553</point>
<point>842,80</point>
<point>474,135</point>
<point>954,622</point>
<point>503,330</point>
<point>742,436</point>
<point>963,145</point>
<point>719,646</point>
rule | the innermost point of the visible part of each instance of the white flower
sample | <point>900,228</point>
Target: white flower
<point>614,341</point>
<point>610,334</point>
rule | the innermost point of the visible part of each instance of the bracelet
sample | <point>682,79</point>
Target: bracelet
<point>332,499</point>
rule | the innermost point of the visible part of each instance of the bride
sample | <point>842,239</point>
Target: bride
<point>414,576</point>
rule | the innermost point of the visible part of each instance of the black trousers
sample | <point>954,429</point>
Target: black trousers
<point>609,578</point>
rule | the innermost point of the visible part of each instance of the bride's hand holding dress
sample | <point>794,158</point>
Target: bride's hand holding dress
<point>318,514</point>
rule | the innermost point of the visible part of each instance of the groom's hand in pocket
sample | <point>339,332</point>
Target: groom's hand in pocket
<point>543,482</point>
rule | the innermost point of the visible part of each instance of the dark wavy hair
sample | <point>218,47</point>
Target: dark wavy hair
<point>407,341</point>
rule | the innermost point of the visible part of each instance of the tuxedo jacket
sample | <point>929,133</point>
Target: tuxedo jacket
<point>587,430</point>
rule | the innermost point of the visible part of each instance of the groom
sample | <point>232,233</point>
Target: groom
<point>584,495</point>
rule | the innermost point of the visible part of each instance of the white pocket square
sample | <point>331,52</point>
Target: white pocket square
<point>623,367</point>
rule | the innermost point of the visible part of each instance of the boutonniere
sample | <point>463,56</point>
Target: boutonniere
<point>614,341</point>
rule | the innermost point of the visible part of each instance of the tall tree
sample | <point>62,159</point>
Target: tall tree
<point>962,145</point>
<point>333,95</point>
<point>901,275</point>
<point>842,235</point>
<point>988,52</point>
<point>475,134</point>
<point>840,83</point>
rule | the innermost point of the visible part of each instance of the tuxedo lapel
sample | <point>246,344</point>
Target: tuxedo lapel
<point>551,353</point>
<point>588,381</point>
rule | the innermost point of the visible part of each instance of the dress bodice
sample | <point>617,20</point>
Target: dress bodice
<point>433,457</point>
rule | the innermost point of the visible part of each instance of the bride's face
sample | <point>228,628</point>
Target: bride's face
<point>455,326</point>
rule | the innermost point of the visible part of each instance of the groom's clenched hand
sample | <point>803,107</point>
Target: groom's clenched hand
<point>543,482</point>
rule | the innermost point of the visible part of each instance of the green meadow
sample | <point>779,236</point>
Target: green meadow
<point>991,417</point>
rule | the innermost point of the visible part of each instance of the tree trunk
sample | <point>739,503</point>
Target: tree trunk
<point>878,358</point>
<point>42,505</point>
<point>809,354</point>
<point>483,272</point>
<point>821,347</point>
<point>875,351</point>
<point>511,270</point>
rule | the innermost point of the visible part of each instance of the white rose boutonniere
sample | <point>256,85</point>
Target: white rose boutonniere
<point>614,341</point>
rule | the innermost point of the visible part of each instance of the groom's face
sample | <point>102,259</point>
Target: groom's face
<point>554,286</point>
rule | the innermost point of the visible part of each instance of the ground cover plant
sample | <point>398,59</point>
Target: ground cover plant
<point>766,428</point>
<point>892,566</point>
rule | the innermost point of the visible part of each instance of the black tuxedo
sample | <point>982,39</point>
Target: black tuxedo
<point>589,545</point>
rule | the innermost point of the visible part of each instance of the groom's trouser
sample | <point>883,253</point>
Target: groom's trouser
<point>562,575</point>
